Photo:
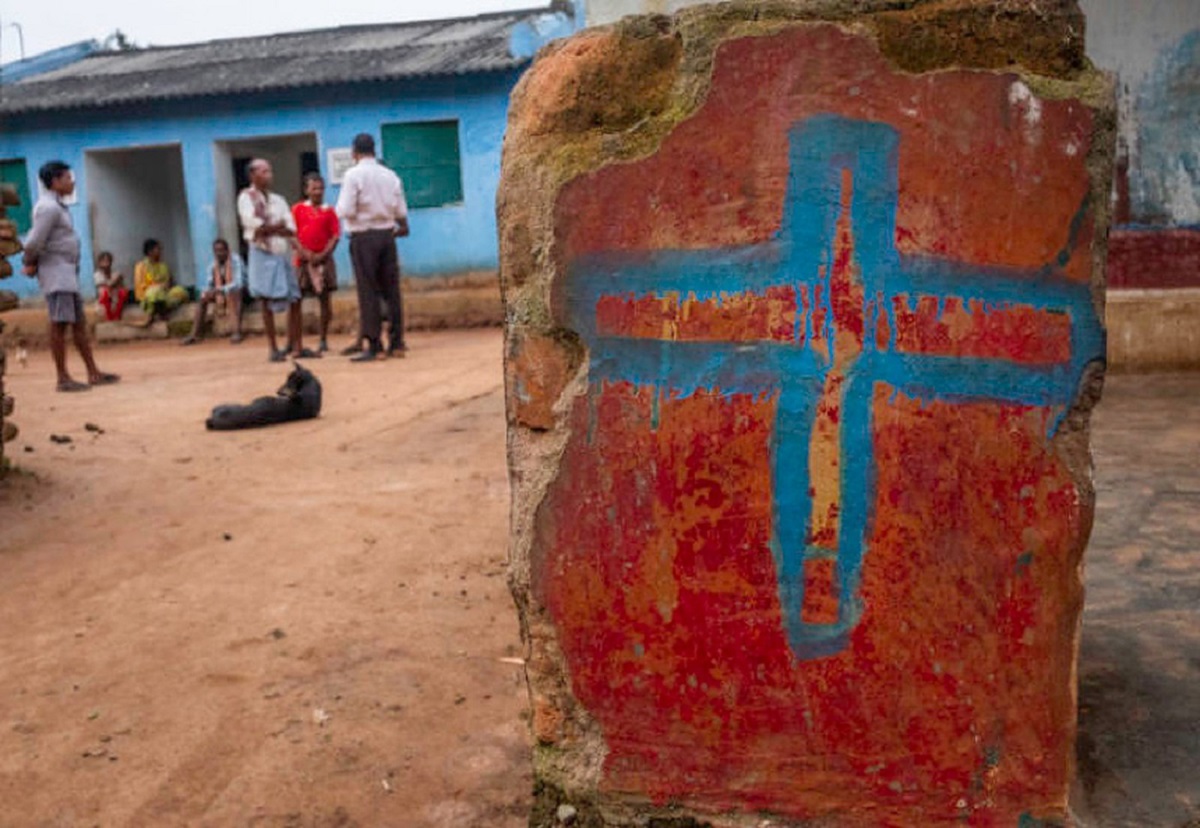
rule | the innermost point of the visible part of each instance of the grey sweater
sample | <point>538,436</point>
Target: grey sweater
<point>53,246</point>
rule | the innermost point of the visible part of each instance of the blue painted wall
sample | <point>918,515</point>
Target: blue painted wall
<point>448,239</point>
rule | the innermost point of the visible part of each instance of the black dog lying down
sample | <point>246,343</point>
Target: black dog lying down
<point>298,399</point>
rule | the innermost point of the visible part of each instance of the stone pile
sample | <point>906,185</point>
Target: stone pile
<point>10,245</point>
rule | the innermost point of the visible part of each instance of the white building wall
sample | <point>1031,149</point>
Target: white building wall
<point>1153,46</point>
<point>138,194</point>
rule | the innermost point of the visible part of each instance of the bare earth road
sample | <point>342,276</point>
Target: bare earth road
<point>335,662</point>
<point>340,659</point>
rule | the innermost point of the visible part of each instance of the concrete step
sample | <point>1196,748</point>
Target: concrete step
<point>106,332</point>
<point>463,301</point>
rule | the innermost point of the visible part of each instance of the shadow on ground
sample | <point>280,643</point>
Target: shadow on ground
<point>1139,674</point>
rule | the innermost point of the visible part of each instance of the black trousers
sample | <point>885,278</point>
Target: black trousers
<point>377,279</point>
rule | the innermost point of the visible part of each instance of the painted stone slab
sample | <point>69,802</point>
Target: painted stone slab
<point>811,544</point>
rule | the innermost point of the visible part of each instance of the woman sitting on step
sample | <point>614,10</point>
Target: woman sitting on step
<point>152,284</point>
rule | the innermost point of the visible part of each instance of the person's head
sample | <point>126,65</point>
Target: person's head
<point>221,250</point>
<point>314,187</point>
<point>363,146</point>
<point>260,173</point>
<point>57,178</point>
<point>104,261</point>
<point>152,250</point>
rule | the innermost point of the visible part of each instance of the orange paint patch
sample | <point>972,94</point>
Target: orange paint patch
<point>820,591</point>
<point>883,329</point>
<point>1016,333</point>
<point>825,450</point>
<point>825,465</point>
<point>775,315</point>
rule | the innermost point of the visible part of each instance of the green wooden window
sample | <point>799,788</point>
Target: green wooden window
<point>425,156</point>
<point>14,172</point>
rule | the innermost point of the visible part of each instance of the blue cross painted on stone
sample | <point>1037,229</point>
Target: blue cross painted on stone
<point>822,148</point>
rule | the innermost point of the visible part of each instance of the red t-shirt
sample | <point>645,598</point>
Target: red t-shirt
<point>315,226</point>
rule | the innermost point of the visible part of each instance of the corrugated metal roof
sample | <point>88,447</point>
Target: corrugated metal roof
<point>352,54</point>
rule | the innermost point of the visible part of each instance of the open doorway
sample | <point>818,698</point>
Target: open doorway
<point>136,194</point>
<point>291,156</point>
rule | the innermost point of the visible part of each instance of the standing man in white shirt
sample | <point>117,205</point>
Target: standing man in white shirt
<point>269,230</point>
<point>371,207</point>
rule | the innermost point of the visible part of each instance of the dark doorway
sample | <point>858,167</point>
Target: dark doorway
<point>291,156</point>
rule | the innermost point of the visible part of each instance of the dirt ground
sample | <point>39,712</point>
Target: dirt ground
<point>1139,671</point>
<point>309,626</point>
<point>303,626</point>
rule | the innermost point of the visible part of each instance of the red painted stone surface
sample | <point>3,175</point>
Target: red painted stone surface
<point>1020,334</point>
<point>984,181</point>
<point>952,699</point>
<point>771,316</point>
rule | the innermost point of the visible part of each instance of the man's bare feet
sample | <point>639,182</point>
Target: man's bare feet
<point>101,378</point>
<point>70,386</point>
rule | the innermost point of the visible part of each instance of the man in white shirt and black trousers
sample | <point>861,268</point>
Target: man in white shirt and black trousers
<point>371,207</point>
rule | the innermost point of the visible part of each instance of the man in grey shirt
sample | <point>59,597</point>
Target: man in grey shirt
<point>52,254</point>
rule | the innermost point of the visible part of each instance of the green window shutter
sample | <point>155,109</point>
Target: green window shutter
<point>425,155</point>
<point>14,172</point>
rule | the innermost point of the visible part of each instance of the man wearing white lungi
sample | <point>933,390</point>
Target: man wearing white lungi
<point>270,231</point>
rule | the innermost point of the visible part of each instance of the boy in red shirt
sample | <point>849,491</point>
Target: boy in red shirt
<point>317,234</point>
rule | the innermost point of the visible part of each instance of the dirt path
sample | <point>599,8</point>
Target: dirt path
<point>301,626</point>
<point>1139,672</point>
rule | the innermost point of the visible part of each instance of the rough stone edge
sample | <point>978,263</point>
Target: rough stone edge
<point>1072,441</point>
<point>571,775</point>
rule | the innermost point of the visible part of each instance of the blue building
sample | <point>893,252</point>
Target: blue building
<point>159,137</point>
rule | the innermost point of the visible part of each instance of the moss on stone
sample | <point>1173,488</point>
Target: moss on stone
<point>179,327</point>
<point>1046,38</point>
<point>547,799</point>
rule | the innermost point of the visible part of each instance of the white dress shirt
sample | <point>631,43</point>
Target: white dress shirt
<point>372,197</point>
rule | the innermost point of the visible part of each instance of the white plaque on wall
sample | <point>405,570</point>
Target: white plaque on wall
<point>338,161</point>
